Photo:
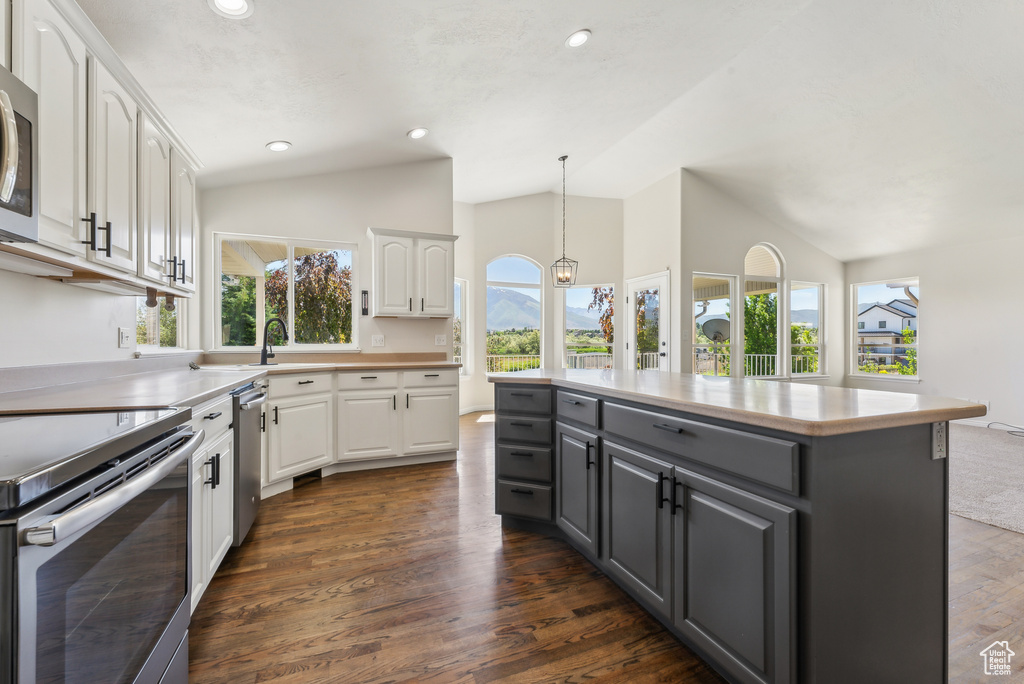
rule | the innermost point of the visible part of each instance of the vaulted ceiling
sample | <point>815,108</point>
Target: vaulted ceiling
<point>866,127</point>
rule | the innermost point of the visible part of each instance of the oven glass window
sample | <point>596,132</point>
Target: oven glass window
<point>103,602</point>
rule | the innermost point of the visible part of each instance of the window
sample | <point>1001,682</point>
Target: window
<point>805,325</point>
<point>458,353</point>
<point>712,329</point>
<point>762,269</point>
<point>306,284</point>
<point>589,330</point>
<point>513,314</point>
<point>881,349</point>
<point>158,327</point>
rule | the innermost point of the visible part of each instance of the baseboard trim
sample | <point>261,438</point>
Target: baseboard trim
<point>981,422</point>
<point>475,409</point>
<point>393,462</point>
<point>275,488</point>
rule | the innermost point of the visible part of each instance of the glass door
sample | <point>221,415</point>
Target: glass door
<point>648,322</point>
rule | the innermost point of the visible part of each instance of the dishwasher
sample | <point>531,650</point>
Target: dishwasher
<point>246,417</point>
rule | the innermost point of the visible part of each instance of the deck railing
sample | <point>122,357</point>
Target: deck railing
<point>648,361</point>
<point>588,360</point>
<point>509,363</point>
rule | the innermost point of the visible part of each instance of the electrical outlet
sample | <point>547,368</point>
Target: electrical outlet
<point>377,341</point>
<point>124,338</point>
<point>440,340</point>
<point>940,440</point>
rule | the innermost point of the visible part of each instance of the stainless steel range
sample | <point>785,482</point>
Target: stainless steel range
<point>95,547</point>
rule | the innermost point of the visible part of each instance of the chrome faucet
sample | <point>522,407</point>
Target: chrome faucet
<point>264,353</point>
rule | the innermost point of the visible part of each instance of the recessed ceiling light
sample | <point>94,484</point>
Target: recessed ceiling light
<point>578,38</point>
<point>278,145</point>
<point>233,9</point>
<point>417,133</point>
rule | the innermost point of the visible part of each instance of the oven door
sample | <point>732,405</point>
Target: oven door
<point>103,573</point>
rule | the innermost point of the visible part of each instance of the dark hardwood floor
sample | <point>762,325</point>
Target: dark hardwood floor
<point>405,574</point>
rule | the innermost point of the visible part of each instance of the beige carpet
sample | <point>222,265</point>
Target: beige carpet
<point>986,476</point>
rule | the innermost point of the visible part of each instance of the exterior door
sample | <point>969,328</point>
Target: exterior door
<point>648,322</point>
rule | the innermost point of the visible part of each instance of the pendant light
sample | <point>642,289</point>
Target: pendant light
<point>563,271</point>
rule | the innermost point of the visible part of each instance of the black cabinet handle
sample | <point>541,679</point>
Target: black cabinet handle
<point>92,231</point>
<point>571,401</point>
<point>368,377</point>
<point>675,504</point>
<point>432,375</point>
<point>212,462</point>
<point>406,401</point>
<point>263,421</point>
<point>589,462</point>
<point>660,492</point>
<point>394,402</point>
<point>216,471</point>
<point>173,275</point>
<point>669,428</point>
<point>516,423</point>
<point>105,250</point>
<point>212,416</point>
<point>421,304</point>
<point>521,453</point>
<point>182,264</point>
<point>306,382</point>
<point>410,303</point>
<point>521,394</point>
<point>523,491</point>
<point>275,415</point>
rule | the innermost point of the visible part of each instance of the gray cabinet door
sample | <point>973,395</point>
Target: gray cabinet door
<point>734,565</point>
<point>576,469</point>
<point>637,523</point>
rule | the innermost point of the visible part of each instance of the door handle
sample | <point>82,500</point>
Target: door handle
<point>213,416</point>
<point>275,415</point>
<point>589,462</point>
<point>9,168</point>
<point>173,275</point>
<point>182,264</point>
<point>92,231</point>
<point>675,505</point>
<point>263,421</point>
<point>107,228</point>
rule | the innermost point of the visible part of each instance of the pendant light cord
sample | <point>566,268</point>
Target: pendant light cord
<point>562,159</point>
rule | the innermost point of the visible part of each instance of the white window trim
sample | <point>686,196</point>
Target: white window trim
<point>291,244</point>
<point>782,351</point>
<point>822,331</point>
<point>563,349</point>
<point>540,285</point>
<point>181,346</point>
<point>467,368</point>
<point>737,331</point>
<point>854,369</point>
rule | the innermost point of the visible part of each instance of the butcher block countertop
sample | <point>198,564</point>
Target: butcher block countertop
<point>178,387</point>
<point>798,408</point>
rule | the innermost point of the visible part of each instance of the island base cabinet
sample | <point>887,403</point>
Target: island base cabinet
<point>300,435</point>
<point>637,524</point>
<point>576,491</point>
<point>733,585</point>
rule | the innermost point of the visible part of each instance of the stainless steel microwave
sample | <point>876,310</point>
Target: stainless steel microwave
<point>19,185</point>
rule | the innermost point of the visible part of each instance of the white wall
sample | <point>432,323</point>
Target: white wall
<point>48,322</point>
<point>340,207</point>
<point>969,319</point>
<point>717,232</point>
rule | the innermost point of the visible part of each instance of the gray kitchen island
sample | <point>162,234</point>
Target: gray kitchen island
<point>785,532</point>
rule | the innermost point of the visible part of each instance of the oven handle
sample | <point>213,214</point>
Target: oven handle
<point>9,167</point>
<point>253,403</point>
<point>81,518</point>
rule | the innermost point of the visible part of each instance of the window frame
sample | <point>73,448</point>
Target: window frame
<point>794,286</point>
<point>782,350</point>
<point>290,244</point>
<point>539,286</point>
<point>181,336</point>
<point>465,370</point>
<point>565,328</point>
<point>854,341</point>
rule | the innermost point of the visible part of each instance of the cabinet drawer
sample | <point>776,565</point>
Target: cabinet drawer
<point>214,417</point>
<point>429,378</point>
<point>367,380</point>
<point>526,463</point>
<point>523,429</point>
<point>576,407</point>
<point>523,399</point>
<point>298,384</point>
<point>770,461</point>
<point>524,500</point>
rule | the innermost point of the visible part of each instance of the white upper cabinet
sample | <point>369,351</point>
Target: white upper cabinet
<point>183,220</point>
<point>413,274</point>
<point>155,256</point>
<point>52,60</point>
<point>113,128</point>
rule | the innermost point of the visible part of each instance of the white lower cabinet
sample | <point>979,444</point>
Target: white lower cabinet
<point>212,509</point>
<point>300,435</point>
<point>367,424</point>
<point>431,421</point>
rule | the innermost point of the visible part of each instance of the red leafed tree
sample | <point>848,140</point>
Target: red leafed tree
<point>323,299</point>
<point>604,301</point>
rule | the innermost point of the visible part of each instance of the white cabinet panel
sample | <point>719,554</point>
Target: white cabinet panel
<point>368,424</point>
<point>431,422</point>
<point>300,435</point>
<point>155,262</point>
<point>413,276</point>
<point>183,220</point>
<point>436,266</point>
<point>393,276</point>
<point>52,60</point>
<point>222,502</point>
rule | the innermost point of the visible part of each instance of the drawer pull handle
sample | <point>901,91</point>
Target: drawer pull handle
<point>306,382</point>
<point>516,423</point>
<point>522,453</point>
<point>522,491</point>
<point>368,377</point>
<point>432,375</point>
<point>521,394</point>
<point>212,416</point>
<point>572,401</point>
<point>669,428</point>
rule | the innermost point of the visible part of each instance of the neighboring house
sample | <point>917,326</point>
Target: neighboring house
<point>880,330</point>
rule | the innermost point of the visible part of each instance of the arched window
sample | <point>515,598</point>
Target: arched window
<point>762,341</point>
<point>513,314</point>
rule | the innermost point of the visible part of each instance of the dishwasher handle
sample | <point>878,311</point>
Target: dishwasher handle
<point>92,512</point>
<point>249,404</point>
